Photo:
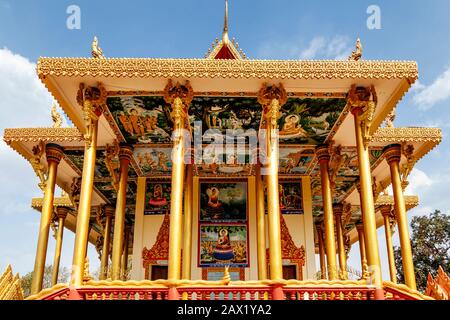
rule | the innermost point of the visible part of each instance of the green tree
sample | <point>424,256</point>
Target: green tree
<point>25,281</point>
<point>430,242</point>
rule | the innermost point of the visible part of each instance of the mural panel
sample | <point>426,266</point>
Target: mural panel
<point>223,245</point>
<point>291,199</point>
<point>225,113</point>
<point>157,198</point>
<point>295,161</point>
<point>223,202</point>
<point>154,161</point>
<point>142,119</point>
<point>308,121</point>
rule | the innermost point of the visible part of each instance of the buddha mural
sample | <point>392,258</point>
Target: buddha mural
<point>292,127</point>
<point>223,250</point>
<point>214,207</point>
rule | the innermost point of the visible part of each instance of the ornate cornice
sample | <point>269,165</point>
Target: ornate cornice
<point>36,203</point>
<point>412,134</point>
<point>207,68</point>
<point>386,200</point>
<point>42,134</point>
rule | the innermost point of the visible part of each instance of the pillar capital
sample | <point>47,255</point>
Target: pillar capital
<point>54,152</point>
<point>125,153</point>
<point>109,211</point>
<point>61,212</point>
<point>338,209</point>
<point>323,152</point>
<point>393,153</point>
<point>359,226</point>
<point>184,92</point>
<point>269,92</point>
<point>358,98</point>
<point>386,210</point>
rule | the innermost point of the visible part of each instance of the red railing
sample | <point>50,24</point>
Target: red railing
<point>226,293</point>
<point>299,293</point>
<point>113,293</point>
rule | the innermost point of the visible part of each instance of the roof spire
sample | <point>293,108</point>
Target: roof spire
<point>225,25</point>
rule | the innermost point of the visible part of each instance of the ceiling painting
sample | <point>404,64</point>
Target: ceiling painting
<point>308,121</point>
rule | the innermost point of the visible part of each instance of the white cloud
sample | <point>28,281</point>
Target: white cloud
<point>25,102</point>
<point>418,182</point>
<point>427,96</point>
<point>315,46</point>
<point>320,47</point>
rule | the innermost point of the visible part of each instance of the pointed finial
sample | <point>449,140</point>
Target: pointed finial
<point>225,38</point>
<point>357,54</point>
<point>56,117</point>
<point>97,52</point>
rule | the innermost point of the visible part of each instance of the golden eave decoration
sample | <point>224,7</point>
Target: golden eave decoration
<point>410,201</point>
<point>411,134</point>
<point>221,68</point>
<point>42,134</point>
<point>36,203</point>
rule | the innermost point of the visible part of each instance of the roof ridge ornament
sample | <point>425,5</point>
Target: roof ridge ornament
<point>96,52</point>
<point>357,54</point>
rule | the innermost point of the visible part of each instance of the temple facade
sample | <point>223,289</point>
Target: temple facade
<point>225,177</point>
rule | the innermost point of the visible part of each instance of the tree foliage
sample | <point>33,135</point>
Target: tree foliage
<point>63,277</point>
<point>430,243</point>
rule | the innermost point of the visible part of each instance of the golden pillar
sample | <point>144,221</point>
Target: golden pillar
<point>126,245</point>
<point>323,265</point>
<point>125,155</point>
<point>363,104</point>
<point>260,226</point>
<point>393,155</point>
<point>330,243</point>
<point>187,227</point>
<point>91,99</point>
<point>109,211</point>
<point>386,212</point>
<point>338,209</point>
<point>362,248</point>
<point>54,154</point>
<point>179,97</point>
<point>272,98</point>
<point>61,214</point>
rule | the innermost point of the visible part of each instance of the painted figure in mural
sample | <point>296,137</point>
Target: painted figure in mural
<point>292,128</point>
<point>135,120</point>
<point>214,208</point>
<point>162,161</point>
<point>125,122</point>
<point>150,161</point>
<point>223,250</point>
<point>150,122</point>
<point>158,199</point>
<point>211,116</point>
<point>282,197</point>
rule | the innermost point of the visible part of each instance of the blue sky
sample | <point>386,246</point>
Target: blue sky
<point>410,30</point>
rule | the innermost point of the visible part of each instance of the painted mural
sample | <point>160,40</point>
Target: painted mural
<point>291,198</point>
<point>157,198</point>
<point>107,190</point>
<point>223,202</point>
<point>308,121</point>
<point>217,161</point>
<point>142,119</point>
<point>154,161</point>
<point>225,113</point>
<point>295,161</point>
<point>223,245</point>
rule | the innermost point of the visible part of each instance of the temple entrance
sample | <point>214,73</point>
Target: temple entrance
<point>290,272</point>
<point>159,272</point>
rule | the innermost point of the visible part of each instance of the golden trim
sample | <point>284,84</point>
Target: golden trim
<point>405,289</point>
<point>399,135</point>
<point>36,203</point>
<point>221,68</point>
<point>42,134</point>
